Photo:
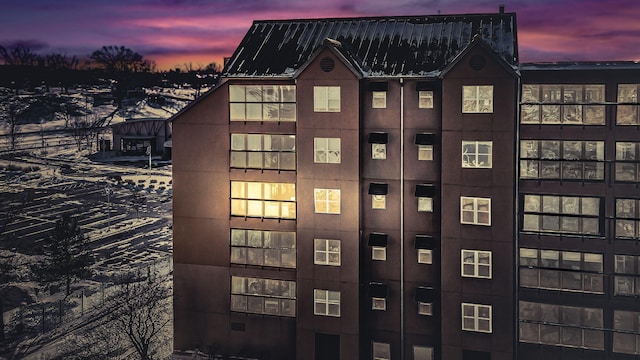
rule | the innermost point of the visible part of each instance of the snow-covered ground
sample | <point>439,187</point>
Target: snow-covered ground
<point>124,210</point>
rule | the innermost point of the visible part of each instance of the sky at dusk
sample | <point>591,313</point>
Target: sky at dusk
<point>177,32</point>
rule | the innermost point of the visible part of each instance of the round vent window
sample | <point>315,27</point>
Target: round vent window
<point>327,64</point>
<point>477,62</point>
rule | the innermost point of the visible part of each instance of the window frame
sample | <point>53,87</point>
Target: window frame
<point>379,253</point>
<point>381,97</point>
<point>471,94</point>
<point>474,163</point>
<point>476,317</point>
<point>425,152</point>
<point>475,210</point>
<point>327,252</point>
<point>327,99</point>
<point>329,154</point>
<point>383,351</point>
<point>268,247</point>
<point>327,201</point>
<point>477,265</point>
<point>261,101</point>
<point>378,201</point>
<point>425,252</point>
<point>378,151</point>
<point>425,99</point>
<point>378,304</point>
<point>322,296</point>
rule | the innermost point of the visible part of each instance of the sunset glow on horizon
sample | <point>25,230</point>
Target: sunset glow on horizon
<point>174,33</point>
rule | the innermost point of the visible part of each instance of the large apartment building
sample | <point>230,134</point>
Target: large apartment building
<point>404,188</point>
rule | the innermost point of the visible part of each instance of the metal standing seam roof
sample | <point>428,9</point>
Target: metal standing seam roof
<point>383,46</point>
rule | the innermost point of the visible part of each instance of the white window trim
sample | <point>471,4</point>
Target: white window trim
<point>378,304</point>
<point>476,318</point>
<point>429,201</point>
<point>316,191</point>
<point>381,96</point>
<point>477,99</point>
<point>425,252</point>
<point>321,146</point>
<point>424,148</point>
<point>429,305</point>
<point>474,163</point>
<point>326,301</point>
<point>475,210</point>
<point>327,252</point>
<point>425,94</point>
<point>379,253</point>
<point>476,263</point>
<point>328,97</point>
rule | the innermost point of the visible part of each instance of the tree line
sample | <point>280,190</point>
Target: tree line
<point>23,68</point>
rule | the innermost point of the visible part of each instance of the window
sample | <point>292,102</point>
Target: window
<point>475,211</point>
<point>381,351</point>
<point>268,200</point>
<point>425,193</point>
<point>476,154</point>
<point>262,102</point>
<point>425,99</point>
<point>562,214</point>
<point>627,108</point>
<point>379,100</point>
<point>557,159</point>
<point>476,263</point>
<point>561,325</point>
<point>326,150</point>
<point>561,270</point>
<point>263,151</point>
<point>326,302</point>
<point>627,279</point>
<point>425,142</point>
<point>263,248</point>
<point>326,252</point>
<point>327,201</point>
<point>326,98</point>
<point>476,317</point>
<point>425,256</point>
<point>627,161</point>
<point>378,192</point>
<point>263,296</point>
<point>563,104</point>
<point>425,308</point>
<point>477,99</point>
<point>627,218</point>
<point>379,201</point>
<point>379,253</point>
<point>422,352</point>
<point>379,151</point>
<point>425,152</point>
<point>379,304</point>
<point>378,141</point>
<point>626,332</point>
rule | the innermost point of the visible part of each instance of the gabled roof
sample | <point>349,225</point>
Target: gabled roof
<point>386,46</point>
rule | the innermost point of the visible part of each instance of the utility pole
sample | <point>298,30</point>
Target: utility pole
<point>149,153</point>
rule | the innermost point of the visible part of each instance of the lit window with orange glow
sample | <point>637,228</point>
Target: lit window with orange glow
<point>265,200</point>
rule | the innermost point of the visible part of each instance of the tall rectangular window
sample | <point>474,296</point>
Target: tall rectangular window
<point>263,151</point>
<point>476,317</point>
<point>326,98</point>
<point>627,108</point>
<point>263,248</point>
<point>379,100</point>
<point>562,159</point>
<point>326,302</point>
<point>627,278</point>
<point>575,104</point>
<point>475,211</point>
<point>268,200</point>
<point>327,201</point>
<point>626,332</point>
<point>326,150</point>
<point>263,296</point>
<point>562,214</point>
<point>477,154</point>
<point>476,263</point>
<point>627,161</point>
<point>262,102</point>
<point>627,218</point>
<point>326,252</point>
<point>477,99</point>
<point>425,99</point>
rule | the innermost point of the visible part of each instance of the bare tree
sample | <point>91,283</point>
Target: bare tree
<point>18,55</point>
<point>119,58</point>
<point>11,112</point>
<point>7,275</point>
